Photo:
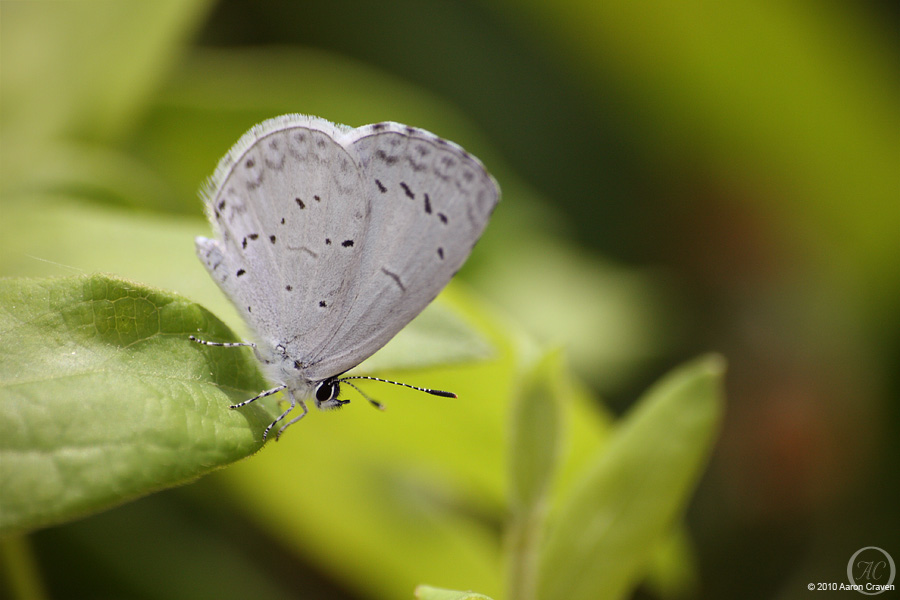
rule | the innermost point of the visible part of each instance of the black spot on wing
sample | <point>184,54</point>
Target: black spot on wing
<point>252,236</point>
<point>383,157</point>
<point>395,277</point>
<point>427,204</point>
<point>347,243</point>
<point>300,203</point>
<point>409,193</point>
<point>381,187</point>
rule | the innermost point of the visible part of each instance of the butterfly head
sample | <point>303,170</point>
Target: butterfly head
<point>326,394</point>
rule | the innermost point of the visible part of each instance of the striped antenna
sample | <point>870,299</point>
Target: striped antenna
<point>372,401</point>
<point>421,389</point>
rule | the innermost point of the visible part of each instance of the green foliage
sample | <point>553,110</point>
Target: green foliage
<point>632,492</point>
<point>103,398</point>
<point>603,533</point>
<point>424,592</point>
<point>534,452</point>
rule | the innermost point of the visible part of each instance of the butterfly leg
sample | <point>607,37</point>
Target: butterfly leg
<point>274,390</point>
<point>229,345</point>
<point>221,344</point>
<point>292,421</point>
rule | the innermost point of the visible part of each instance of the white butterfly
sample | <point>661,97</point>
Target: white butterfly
<point>329,240</point>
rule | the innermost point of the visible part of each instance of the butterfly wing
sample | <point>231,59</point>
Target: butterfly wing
<point>329,240</point>
<point>428,202</point>
<point>289,213</point>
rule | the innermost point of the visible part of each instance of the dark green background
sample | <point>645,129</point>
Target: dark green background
<point>677,177</point>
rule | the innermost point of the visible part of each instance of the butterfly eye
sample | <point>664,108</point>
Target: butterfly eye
<point>327,390</point>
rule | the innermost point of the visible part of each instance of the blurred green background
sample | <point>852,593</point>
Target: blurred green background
<point>677,177</point>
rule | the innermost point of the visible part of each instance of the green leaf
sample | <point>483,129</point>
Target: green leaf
<point>534,448</point>
<point>103,397</point>
<point>606,531</point>
<point>425,592</point>
<point>673,570</point>
<point>534,432</point>
<point>438,336</point>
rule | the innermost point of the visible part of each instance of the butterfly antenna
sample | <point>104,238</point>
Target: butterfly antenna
<point>413,387</point>
<point>372,401</point>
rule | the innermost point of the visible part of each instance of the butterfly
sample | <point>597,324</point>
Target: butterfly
<point>328,240</point>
